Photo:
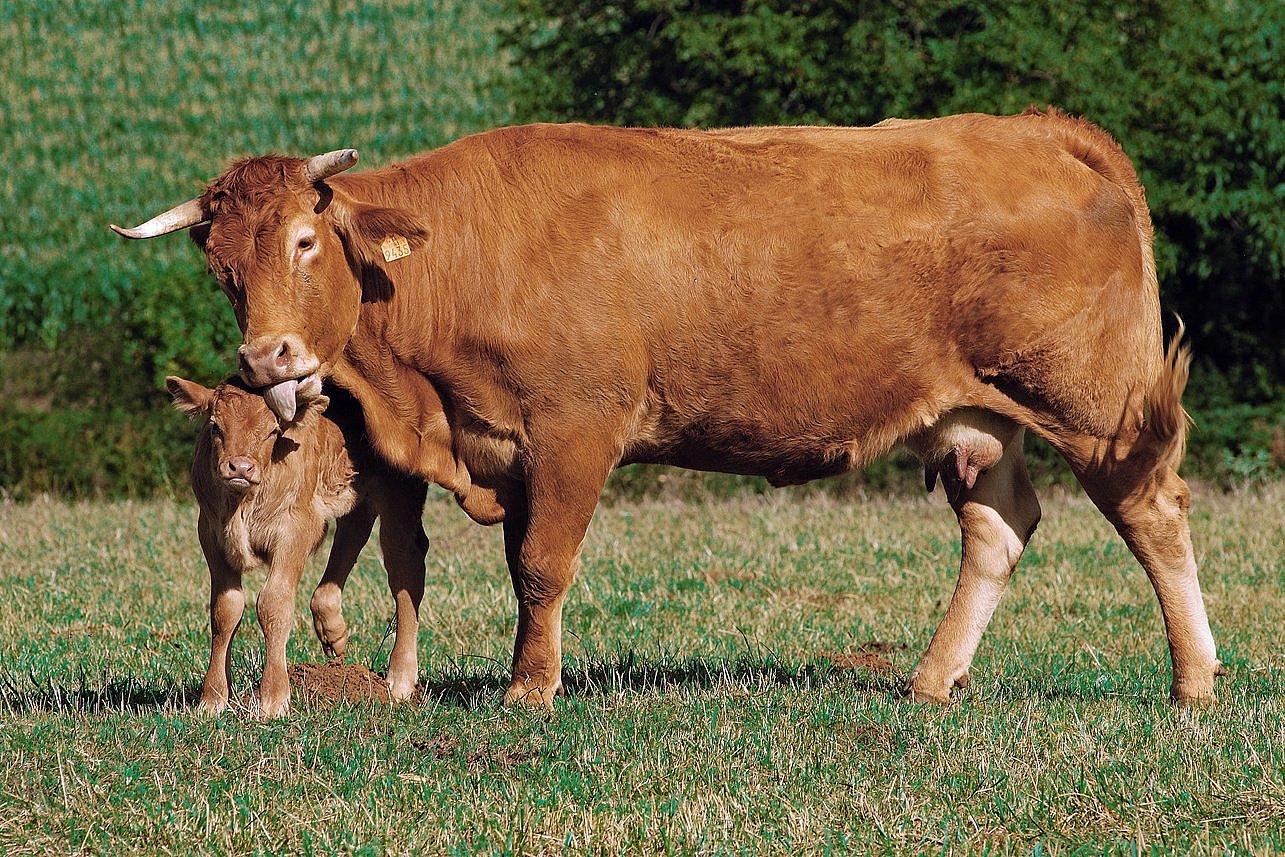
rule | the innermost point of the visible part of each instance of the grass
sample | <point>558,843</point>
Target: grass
<point>703,714</point>
<point>114,111</point>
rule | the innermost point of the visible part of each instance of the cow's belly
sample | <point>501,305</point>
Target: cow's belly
<point>780,463</point>
<point>791,439</point>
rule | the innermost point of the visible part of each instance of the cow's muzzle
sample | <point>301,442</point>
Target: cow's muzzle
<point>284,368</point>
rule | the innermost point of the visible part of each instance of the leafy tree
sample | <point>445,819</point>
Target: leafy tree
<point>1192,88</point>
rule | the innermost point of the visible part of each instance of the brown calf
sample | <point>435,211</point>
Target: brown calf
<point>266,494</point>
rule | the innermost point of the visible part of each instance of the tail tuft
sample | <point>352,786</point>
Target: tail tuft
<point>1167,421</point>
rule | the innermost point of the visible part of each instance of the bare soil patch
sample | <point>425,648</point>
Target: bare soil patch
<point>872,656</point>
<point>327,684</point>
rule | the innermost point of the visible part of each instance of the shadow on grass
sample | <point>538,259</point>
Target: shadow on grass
<point>30,695</point>
<point>631,672</point>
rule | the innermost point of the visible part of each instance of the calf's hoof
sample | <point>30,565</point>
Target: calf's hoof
<point>920,689</point>
<point>925,697</point>
<point>272,709</point>
<point>212,706</point>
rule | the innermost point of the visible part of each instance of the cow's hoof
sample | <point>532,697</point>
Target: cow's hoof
<point>532,696</point>
<point>337,647</point>
<point>1195,688</point>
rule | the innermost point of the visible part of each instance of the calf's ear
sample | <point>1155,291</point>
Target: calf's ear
<point>189,397</point>
<point>375,235</point>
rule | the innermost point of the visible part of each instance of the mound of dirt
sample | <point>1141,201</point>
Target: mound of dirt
<point>872,656</point>
<point>337,682</point>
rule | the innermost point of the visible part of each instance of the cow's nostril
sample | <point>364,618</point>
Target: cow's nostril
<point>282,356</point>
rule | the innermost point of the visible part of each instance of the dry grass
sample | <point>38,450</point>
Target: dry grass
<point>719,696</point>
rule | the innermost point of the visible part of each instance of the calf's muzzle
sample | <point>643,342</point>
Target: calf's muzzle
<point>240,471</point>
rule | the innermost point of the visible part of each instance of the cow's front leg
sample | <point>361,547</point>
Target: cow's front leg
<point>275,607</point>
<point>404,545</point>
<point>542,539</point>
<point>227,605</point>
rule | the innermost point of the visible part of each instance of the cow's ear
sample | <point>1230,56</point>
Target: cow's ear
<point>376,235</point>
<point>189,397</point>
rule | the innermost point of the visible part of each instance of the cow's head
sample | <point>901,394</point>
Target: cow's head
<point>291,252</point>
<point>242,435</point>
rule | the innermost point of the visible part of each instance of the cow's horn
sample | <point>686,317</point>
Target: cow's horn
<point>322,167</point>
<point>178,217</point>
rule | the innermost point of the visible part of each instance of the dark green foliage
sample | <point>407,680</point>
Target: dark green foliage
<point>1193,89</point>
<point>89,452</point>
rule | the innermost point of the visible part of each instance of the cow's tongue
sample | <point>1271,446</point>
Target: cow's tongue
<point>282,400</point>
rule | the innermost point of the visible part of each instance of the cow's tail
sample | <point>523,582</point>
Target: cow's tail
<point>1167,422</point>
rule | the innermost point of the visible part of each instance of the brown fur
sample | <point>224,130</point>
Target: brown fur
<point>789,302</point>
<point>266,494</point>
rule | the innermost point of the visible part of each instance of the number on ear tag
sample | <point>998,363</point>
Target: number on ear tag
<point>395,247</point>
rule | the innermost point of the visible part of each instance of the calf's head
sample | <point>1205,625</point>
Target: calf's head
<point>241,438</point>
<point>291,252</point>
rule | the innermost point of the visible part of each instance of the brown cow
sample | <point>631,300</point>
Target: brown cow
<point>266,493</point>
<point>789,302</point>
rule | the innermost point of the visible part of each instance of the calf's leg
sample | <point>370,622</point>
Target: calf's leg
<point>352,531</point>
<point>227,605</point>
<point>997,514</point>
<point>275,607</point>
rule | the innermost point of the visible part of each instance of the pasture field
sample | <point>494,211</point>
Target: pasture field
<point>112,111</point>
<point>733,673</point>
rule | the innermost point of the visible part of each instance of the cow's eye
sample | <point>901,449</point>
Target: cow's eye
<point>306,243</point>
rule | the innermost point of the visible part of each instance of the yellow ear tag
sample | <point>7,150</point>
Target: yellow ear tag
<point>395,247</point>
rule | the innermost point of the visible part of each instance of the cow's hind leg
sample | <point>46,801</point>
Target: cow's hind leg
<point>352,531</point>
<point>1142,495</point>
<point>979,457</point>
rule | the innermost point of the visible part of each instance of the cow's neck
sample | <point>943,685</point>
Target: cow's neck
<point>406,420</point>
<point>427,327</point>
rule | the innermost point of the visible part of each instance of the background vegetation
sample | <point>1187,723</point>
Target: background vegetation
<point>733,678</point>
<point>113,111</point>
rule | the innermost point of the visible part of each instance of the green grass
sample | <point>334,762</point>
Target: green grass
<point>114,111</point>
<point>702,715</point>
